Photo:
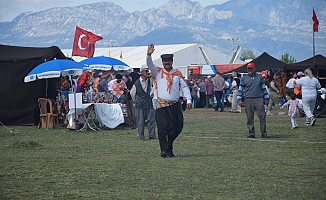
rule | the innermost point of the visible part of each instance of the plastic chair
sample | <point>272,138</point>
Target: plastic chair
<point>47,116</point>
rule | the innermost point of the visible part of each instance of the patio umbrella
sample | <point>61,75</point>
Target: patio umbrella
<point>54,69</point>
<point>105,63</point>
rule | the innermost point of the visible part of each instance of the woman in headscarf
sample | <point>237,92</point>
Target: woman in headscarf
<point>234,88</point>
<point>132,77</point>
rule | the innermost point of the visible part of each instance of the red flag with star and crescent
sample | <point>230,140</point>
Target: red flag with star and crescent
<point>316,22</point>
<point>84,43</point>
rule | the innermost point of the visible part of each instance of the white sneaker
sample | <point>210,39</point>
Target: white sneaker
<point>269,113</point>
<point>313,121</point>
<point>281,113</point>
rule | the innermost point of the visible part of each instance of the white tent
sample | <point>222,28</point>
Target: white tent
<point>184,55</point>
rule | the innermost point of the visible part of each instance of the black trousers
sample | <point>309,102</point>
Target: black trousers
<point>202,100</point>
<point>169,122</point>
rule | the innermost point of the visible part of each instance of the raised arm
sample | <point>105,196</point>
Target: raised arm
<point>149,60</point>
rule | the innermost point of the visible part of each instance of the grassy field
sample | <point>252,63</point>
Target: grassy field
<point>213,160</point>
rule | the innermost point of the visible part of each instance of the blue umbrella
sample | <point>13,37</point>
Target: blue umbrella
<point>54,69</point>
<point>105,63</point>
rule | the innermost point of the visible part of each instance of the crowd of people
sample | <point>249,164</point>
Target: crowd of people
<point>159,95</point>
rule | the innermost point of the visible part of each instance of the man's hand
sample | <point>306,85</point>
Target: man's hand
<point>189,106</point>
<point>150,49</point>
<point>240,103</point>
<point>266,102</point>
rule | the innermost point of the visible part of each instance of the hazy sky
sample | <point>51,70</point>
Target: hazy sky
<point>9,9</point>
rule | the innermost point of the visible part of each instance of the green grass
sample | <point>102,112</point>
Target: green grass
<point>213,160</point>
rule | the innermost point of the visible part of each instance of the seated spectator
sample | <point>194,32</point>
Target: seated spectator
<point>118,89</point>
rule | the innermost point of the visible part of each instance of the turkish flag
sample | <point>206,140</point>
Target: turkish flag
<point>84,43</point>
<point>316,22</point>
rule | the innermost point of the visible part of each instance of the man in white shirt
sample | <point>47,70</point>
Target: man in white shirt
<point>168,115</point>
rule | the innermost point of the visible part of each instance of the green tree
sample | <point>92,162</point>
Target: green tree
<point>288,59</point>
<point>247,54</point>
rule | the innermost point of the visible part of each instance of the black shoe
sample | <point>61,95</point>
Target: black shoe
<point>170,154</point>
<point>265,136</point>
<point>151,138</point>
<point>163,154</point>
<point>221,110</point>
<point>142,139</point>
<point>250,136</point>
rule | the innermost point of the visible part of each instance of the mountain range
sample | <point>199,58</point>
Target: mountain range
<point>276,27</point>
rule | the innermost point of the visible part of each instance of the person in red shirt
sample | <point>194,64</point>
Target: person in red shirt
<point>118,89</point>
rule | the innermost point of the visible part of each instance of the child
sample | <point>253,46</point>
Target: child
<point>293,112</point>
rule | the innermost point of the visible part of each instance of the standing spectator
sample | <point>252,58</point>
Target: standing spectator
<point>209,92</point>
<point>227,91</point>
<point>297,87</point>
<point>202,96</point>
<point>132,77</point>
<point>274,94</point>
<point>118,89</point>
<point>252,89</point>
<point>234,88</point>
<point>193,91</point>
<point>290,85</point>
<point>293,109</point>
<point>97,81</point>
<point>103,84</point>
<point>169,117</point>
<point>219,85</point>
<point>141,95</point>
<point>82,82</point>
<point>65,87</point>
<point>310,86</point>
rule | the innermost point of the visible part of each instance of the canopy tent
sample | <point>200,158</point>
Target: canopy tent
<point>320,63</point>
<point>317,64</point>
<point>262,63</point>
<point>18,103</point>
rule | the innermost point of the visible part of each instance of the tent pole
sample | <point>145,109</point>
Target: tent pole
<point>46,88</point>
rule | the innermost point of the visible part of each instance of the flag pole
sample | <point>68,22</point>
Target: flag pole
<point>313,46</point>
<point>313,41</point>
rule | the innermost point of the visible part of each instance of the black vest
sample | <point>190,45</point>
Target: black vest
<point>143,100</point>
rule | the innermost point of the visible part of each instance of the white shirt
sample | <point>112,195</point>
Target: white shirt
<point>234,83</point>
<point>227,84</point>
<point>110,85</point>
<point>290,84</point>
<point>177,84</point>
<point>143,85</point>
<point>309,86</point>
